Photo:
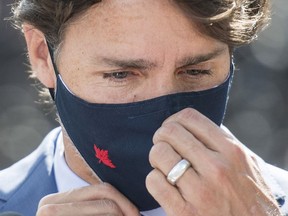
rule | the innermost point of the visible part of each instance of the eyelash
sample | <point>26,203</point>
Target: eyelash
<point>118,77</point>
<point>120,74</point>
<point>196,72</point>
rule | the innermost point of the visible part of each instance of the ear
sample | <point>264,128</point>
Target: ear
<point>39,56</point>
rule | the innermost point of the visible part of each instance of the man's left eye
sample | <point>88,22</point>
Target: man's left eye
<point>196,72</point>
<point>117,75</point>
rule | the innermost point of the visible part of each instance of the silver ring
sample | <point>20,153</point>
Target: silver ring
<point>177,171</point>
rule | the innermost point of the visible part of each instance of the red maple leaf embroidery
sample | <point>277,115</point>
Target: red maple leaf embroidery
<point>103,157</point>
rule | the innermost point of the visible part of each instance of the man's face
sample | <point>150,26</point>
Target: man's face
<point>133,50</point>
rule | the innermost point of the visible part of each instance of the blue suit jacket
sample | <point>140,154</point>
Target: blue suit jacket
<point>26,182</point>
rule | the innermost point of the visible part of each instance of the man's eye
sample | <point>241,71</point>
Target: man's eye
<point>117,75</point>
<point>196,72</point>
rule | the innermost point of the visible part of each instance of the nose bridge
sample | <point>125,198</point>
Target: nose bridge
<point>162,79</point>
<point>162,83</point>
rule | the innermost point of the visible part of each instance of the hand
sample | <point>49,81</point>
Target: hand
<point>100,199</point>
<point>223,180</point>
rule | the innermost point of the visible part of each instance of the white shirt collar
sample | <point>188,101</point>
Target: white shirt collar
<point>67,180</point>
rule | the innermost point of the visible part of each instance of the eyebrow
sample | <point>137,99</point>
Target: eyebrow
<point>187,61</point>
<point>143,64</point>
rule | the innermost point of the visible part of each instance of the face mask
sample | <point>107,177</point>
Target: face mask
<point>115,139</point>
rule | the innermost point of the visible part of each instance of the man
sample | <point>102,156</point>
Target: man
<point>141,88</point>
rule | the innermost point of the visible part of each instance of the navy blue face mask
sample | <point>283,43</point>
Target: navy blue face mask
<point>115,139</point>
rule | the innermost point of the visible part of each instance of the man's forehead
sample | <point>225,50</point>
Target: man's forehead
<point>111,12</point>
<point>144,19</point>
<point>142,38</point>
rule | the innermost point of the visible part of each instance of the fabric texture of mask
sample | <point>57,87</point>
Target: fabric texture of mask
<point>115,139</point>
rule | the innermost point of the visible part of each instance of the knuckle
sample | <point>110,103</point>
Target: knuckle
<point>155,184</point>
<point>103,189</point>
<point>46,200</point>
<point>234,150</point>
<point>47,210</point>
<point>157,149</point>
<point>111,205</point>
<point>165,131</point>
<point>151,178</point>
<point>158,152</point>
<point>188,114</point>
<point>237,152</point>
<point>107,188</point>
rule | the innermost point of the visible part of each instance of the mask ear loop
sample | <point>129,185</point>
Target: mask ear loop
<point>51,52</point>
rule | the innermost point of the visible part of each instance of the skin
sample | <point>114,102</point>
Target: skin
<point>133,50</point>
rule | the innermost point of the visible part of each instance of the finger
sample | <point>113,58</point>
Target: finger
<point>90,193</point>
<point>166,195</point>
<point>206,131</point>
<point>163,157</point>
<point>98,207</point>
<point>183,142</point>
<point>207,140</point>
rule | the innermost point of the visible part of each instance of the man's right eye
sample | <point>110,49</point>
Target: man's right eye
<point>116,75</point>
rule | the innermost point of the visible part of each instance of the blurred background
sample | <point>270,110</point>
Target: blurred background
<point>257,111</point>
